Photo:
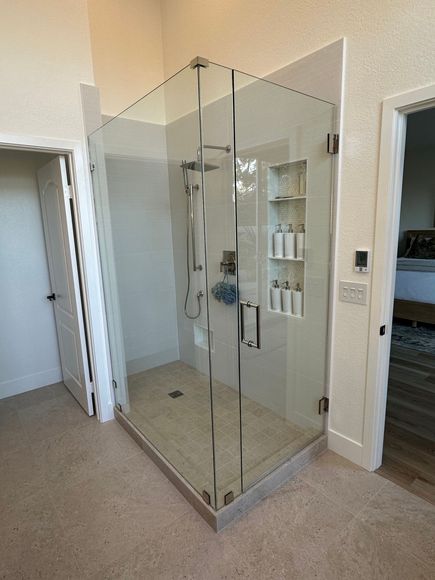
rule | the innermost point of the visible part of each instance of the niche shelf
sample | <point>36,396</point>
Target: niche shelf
<point>287,259</point>
<point>286,195</point>
<point>289,198</point>
<point>286,314</point>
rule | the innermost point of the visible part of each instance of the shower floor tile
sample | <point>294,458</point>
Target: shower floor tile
<point>180,428</point>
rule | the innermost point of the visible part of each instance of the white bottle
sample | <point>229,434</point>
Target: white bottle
<point>286,298</point>
<point>290,243</point>
<point>297,299</point>
<point>278,242</point>
<point>300,243</point>
<point>275,296</point>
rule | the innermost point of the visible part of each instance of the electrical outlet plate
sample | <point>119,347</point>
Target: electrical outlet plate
<point>353,292</point>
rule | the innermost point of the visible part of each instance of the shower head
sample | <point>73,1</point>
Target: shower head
<point>196,166</point>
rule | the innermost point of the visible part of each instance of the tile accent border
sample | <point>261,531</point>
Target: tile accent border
<point>219,519</point>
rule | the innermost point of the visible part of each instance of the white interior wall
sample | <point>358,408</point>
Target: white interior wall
<point>126,50</point>
<point>46,53</point>
<point>29,353</point>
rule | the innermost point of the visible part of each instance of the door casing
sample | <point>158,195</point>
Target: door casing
<point>87,250</point>
<point>389,195</point>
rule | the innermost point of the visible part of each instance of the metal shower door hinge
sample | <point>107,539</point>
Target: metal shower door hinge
<point>333,143</point>
<point>228,497</point>
<point>323,405</point>
<point>92,166</point>
<point>114,384</point>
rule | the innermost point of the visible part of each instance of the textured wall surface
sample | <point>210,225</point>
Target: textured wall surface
<point>126,50</point>
<point>46,53</point>
<point>390,47</point>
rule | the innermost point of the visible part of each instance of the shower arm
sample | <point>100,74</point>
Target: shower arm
<point>226,148</point>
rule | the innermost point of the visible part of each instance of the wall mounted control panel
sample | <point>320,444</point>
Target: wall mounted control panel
<point>353,292</point>
<point>362,261</point>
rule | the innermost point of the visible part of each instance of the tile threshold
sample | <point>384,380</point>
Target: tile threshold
<point>219,519</point>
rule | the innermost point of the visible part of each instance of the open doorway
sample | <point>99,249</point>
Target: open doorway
<point>44,335</point>
<point>409,439</point>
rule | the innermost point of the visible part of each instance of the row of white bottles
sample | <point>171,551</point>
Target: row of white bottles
<point>289,244</point>
<point>285,299</point>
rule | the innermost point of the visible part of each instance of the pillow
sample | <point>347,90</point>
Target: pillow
<point>421,246</point>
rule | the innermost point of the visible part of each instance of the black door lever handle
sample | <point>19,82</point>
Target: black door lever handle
<point>51,297</point>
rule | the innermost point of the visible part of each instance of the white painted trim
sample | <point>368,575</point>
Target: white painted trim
<point>348,448</point>
<point>392,149</point>
<point>91,270</point>
<point>30,382</point>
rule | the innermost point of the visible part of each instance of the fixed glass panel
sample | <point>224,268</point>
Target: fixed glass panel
<point>216,99</point>
<point>151,235</point>
<point>283,201</point>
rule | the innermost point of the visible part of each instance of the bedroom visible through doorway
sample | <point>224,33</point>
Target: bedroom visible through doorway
<point>409,442</point>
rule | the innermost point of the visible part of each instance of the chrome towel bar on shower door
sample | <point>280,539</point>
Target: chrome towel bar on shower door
<point>244,340</point>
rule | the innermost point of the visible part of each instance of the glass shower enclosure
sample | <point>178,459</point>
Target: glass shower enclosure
<point>213,205</point>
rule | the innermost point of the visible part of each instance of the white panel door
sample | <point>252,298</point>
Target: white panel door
<point>65,285</point>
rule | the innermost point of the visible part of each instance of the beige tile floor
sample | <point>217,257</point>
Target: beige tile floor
<point>181,428</point>
<point>80,500</point>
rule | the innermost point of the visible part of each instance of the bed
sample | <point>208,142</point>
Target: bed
<point>414,296</point>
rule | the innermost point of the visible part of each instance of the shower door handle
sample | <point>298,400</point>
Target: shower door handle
<point>248,304</point>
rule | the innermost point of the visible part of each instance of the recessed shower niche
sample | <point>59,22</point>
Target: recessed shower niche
<point>287,194</point>
<point>200,172</point>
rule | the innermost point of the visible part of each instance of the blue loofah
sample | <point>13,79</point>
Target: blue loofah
<point>225,292</point>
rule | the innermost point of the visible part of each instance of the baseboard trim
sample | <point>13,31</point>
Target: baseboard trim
<point>139,365</point>
<point>30,382</point>
<point>342,445</point>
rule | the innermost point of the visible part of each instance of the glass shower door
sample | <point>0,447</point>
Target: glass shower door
<point>149,207</point>
<point>217,153</point>
<point>283,177</point>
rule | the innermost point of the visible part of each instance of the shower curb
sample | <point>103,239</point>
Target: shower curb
<point>221,518</point>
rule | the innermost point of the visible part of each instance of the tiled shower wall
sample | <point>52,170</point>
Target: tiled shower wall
<point>142,242</point>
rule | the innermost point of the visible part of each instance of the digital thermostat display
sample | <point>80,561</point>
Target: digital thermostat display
<point>362,261</point>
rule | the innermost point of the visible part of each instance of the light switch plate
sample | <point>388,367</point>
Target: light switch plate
<point>353,292</point>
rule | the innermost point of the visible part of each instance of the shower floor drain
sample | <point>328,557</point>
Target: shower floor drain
<point>175,394</point>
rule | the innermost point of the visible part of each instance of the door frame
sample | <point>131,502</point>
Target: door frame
<point>93,297</point>
<point>389,196</point>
